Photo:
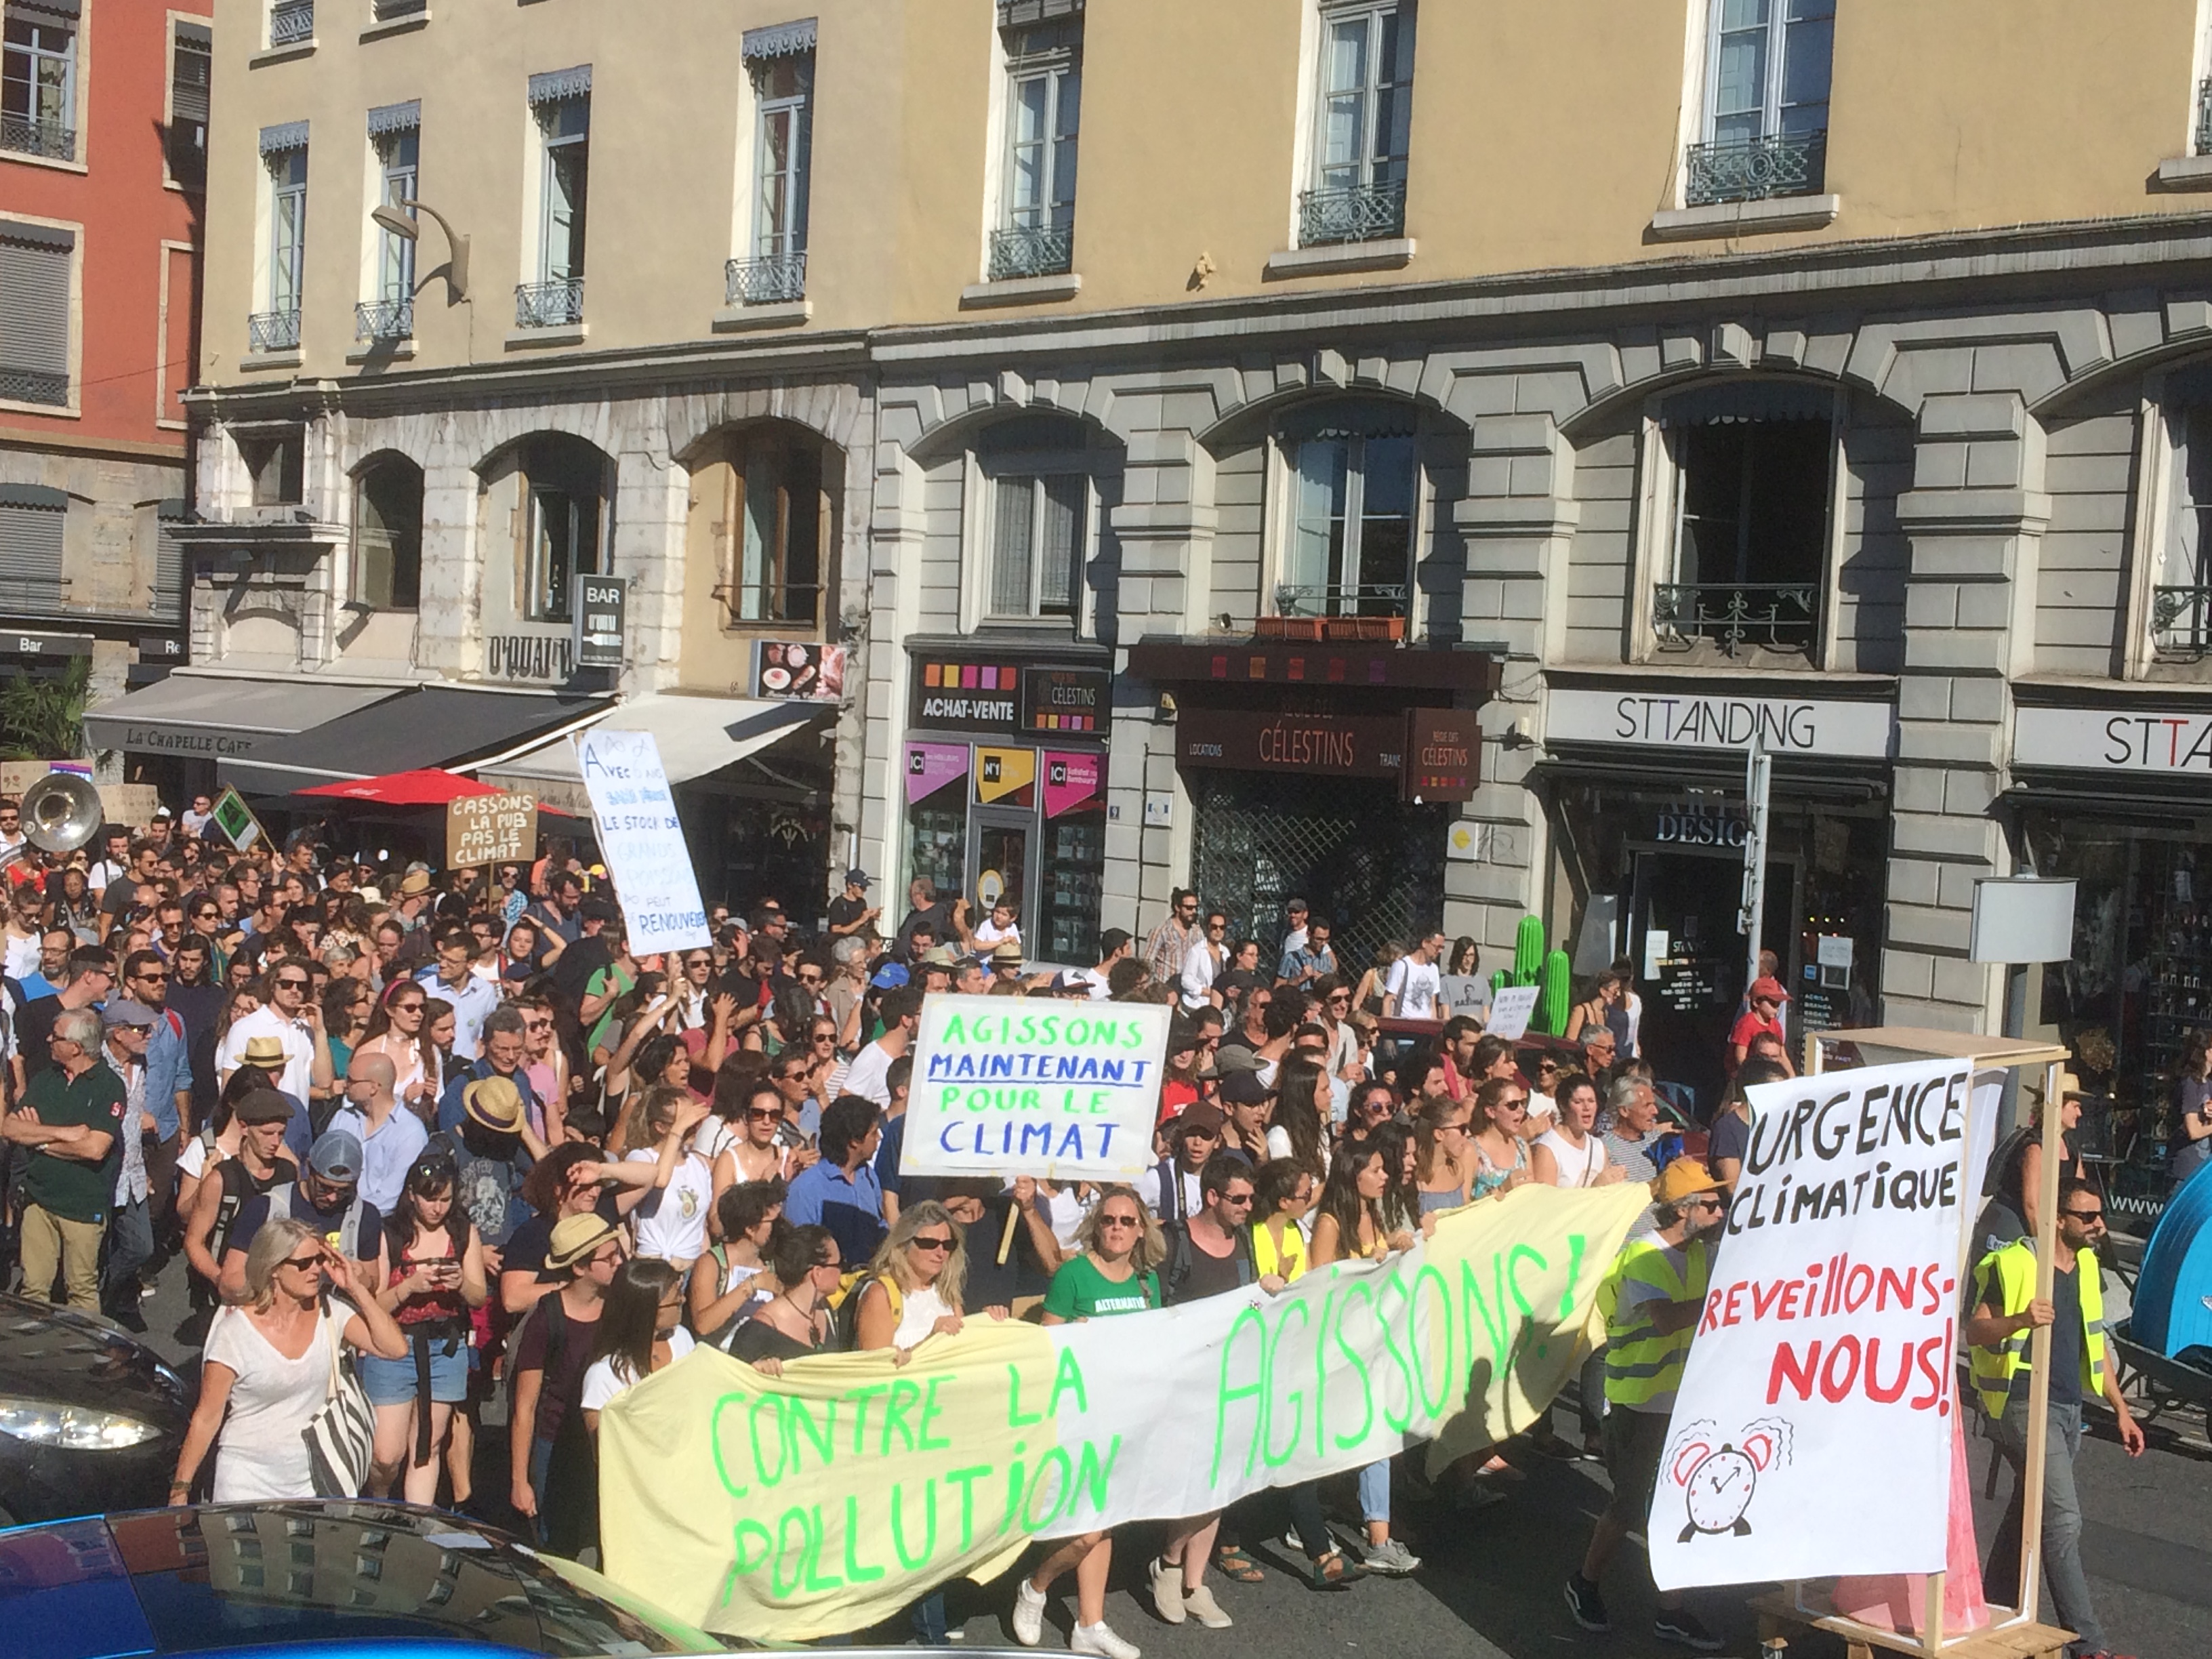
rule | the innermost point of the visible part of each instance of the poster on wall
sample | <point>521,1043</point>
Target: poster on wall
<point>1005,777</point>
<point>1070,781</point>
<point>634,816</point>
<point>787,668</point>
<point>931,767</point>
<point>1812,1435</point>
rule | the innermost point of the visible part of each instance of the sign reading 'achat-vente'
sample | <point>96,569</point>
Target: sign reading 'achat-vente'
<point>1004,1086</point>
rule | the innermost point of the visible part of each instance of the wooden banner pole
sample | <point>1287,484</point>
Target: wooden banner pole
<point>2045,1200</point>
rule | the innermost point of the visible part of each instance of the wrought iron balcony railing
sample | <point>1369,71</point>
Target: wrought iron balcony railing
<point>1788,164</point>
<point>1032,250</point>
<point>2181,620</point>
<point>1341,599</point>
<point>384,319</point>
<point>291,22</point>
<point>1361,213</point>
<point>777,279</point>
<point>2204,118</point>
<point>55,140</point>
<point>388,11</point>
<point>33,386</point>
<point>548,305</point>
<point>273,331</point>
<point>1736,615</point>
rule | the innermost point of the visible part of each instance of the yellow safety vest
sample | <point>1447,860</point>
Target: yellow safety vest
<point>1643,1364</point>
<point>2006,1280</point>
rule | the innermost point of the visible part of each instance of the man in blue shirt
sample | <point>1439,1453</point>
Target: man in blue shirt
<point>169,1092</point>
<point>503,1049</point>
<point>841,1192</point>
<point>473,995</point>
<point>1309,958</point>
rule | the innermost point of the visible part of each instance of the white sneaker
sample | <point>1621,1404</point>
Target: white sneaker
<point>1028,1614</point>
<point>1100,1638</point>
<point>1201,1605</point>
<point>1390,1556</point>
<point>1167,1591</point>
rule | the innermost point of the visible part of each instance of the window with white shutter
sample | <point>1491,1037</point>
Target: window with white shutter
<point>31,517</point>
<point>34,312</point>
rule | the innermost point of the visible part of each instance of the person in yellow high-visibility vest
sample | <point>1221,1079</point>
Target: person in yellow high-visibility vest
<point>2006,1311</point>
<point>1651,1299</point>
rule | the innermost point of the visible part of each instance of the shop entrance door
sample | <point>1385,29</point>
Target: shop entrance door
<point>999,861</point>
<point>1692,983</point>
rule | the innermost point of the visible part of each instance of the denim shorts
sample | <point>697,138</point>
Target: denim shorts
<point>392,1382</point>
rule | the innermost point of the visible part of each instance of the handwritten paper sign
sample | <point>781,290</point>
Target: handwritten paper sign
<point>1812,1436</point>
<point>642,839</point>
<point>1018,1085</point>
<point>824,1500</point>
<point>1509,1011</point>
<point>490,829</point>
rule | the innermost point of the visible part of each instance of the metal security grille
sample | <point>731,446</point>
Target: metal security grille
<point>1371,865</point>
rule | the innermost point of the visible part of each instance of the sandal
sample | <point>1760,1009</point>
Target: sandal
<point>1231,1563</point>
<point>1336,1572</point>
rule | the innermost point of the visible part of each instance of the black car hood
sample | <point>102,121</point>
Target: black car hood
<point>59,1355</point>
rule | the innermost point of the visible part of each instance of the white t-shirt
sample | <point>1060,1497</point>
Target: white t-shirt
<point>989,937</point>
<point>922,1310</point>
<point>1417,985</point>
<point>1576,1168</point>
<point>602,1385</point>
<point>22,958</point>
<point>193,1159</point>
<point>1199,969</point>
<point>261,1457</point>
<point>299,1041</point>
<point>671,1221</point>
<point>869,1075</point>
<point>1542,1106</point>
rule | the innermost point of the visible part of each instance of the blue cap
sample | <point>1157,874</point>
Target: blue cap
<point>889,977</point>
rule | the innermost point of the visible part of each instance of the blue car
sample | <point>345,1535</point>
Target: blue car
<point>333,1578</point>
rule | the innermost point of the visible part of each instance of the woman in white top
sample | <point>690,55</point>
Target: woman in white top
<point>641,1331</point>
<point>914,1285</point>
<point>395,1031</point>
<point>668,1187</point>
<point>1569,1154</point>
<point>269,1363</point>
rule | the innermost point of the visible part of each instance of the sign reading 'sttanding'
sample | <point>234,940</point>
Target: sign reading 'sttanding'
<point>1013,1084</point>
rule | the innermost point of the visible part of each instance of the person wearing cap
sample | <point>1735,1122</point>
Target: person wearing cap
<point>545,1371</point>
<point>70,1119</point>
<point>1296,935</point>
<point>1170,1188</point>
<point>1250,1104</point>
<point>1764,1019</point>
<point>327,1199</point>
<point>850,913</point>
<point>1651,1298</point>
<point>131,1230</point>
<point>390,1139</point>
<point>249,1161</point>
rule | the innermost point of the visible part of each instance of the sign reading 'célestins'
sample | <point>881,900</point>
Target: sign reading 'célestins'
<point>1349,745</point>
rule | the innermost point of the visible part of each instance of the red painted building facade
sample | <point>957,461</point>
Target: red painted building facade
<point>103,126</point>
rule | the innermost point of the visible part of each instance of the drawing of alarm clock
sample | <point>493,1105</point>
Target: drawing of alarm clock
<point>1718,1481</point>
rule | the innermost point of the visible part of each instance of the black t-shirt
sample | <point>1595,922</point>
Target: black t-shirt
<point>844,911</point>
<point>1730,1138</point>
<point>938,917</point>
<point>254,1213</point>
<point>1205,1275</point>
<point>757,1340</point>
<point>528,1246</point>
<point>34,1027</point>
<point>2066,1331</point>
<point>563,1385</point>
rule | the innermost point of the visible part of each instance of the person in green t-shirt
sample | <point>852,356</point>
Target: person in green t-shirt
<point>1116,1273</point>
<point>71,1119</point>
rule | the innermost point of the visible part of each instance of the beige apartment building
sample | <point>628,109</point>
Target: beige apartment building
<point>1398,391</point>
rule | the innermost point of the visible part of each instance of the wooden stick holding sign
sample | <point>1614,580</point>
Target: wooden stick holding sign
<point>490,829</point>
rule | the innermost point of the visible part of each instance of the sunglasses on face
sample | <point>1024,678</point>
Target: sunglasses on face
<point>304,1263</point>
<point>939,1241</point>
<point>760,1117</point>
<point>2087,1215</point>
<point>291,984</point>
<point>1237,1200</point>
<point>1117,1221</point>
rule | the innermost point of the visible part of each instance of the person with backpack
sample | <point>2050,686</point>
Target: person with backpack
<point>327,1198</point>
<point>731,1279</point>
<point>1115,1272</point>
<point>548,1450</point>
<point>438,1277</point>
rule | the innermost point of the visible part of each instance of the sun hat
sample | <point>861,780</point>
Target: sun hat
<point>494,1102</point>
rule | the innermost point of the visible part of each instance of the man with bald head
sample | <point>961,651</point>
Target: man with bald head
<point>390,1139</point>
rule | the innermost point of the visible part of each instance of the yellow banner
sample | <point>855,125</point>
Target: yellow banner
<point>823,1502</point>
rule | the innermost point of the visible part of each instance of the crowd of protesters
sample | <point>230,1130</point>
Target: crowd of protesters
<point>448,1121</point>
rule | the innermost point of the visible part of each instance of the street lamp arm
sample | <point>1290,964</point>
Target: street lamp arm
<point>456,263</point>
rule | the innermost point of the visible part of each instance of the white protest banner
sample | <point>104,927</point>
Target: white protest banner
<point>1017,1085</point>
<point>1509,1009</point>
<point>1812,1435</point>
<point>642,839</point>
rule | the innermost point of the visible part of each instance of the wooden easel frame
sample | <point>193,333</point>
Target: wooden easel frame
<point>1981,1053</point>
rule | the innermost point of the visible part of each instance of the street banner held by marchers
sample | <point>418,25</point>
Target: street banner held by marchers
<point>825,1500</point>
<point>1811,1434</point>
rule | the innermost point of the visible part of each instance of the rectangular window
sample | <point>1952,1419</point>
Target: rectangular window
<point>291,23</point>
<point>35,272</point>
<point>1037,533</point>
<point>564,543</point>
<point>1751,541</point>
<point>38,78</point>
<point>1045,108</point>
<point>1362,127</point>
<point>191,58</point>
<point>1766,100</point>
<point>771,267</point>
<point>562,101</point>
<point>782,516</point>
<point>32,519</point>
<point>169,571</point>
<point>395,133</point>
<point>1351,540</point>
<point>2181,599</point>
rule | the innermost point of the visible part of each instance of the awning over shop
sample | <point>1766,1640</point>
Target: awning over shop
<point>695,735</point>
<point>221,717</point>
<point>448,725</point>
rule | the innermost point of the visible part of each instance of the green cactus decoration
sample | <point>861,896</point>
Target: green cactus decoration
<point>1529,950</point>
<point>1499,981</point>
<point>1553,1003</point>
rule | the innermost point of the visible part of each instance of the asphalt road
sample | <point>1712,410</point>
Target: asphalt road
<point>1490,1582</point>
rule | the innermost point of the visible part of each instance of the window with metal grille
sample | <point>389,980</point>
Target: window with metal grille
<point>170,578</point>
<point>387,534</point>
<point>191,59</point>
<point>1044,107</point>
<point>1355,496</point>
<point>38,78</point>
<point>287,231</point>
<point>36,269</point>
<point>32,519</point>
<point>1362,127</point>
<point>565,484</point>
<point>1767,71</point>
<point>1751,538</point>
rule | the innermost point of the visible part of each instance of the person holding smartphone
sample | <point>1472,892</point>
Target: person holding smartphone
<point>437,1280</point>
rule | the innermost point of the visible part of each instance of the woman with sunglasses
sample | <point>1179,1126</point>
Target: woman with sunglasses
<point>912,1291</point>
<point>794,1323</point>
<point>1443,1159</point>
<point>1501,1156</point>
<point>266,1368</point>
<point>437,1280</point>
<point>1116,1271</point>
<point>397,1031</point>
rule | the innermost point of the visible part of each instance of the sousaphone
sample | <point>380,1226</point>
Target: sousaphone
<point>61,812</point>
